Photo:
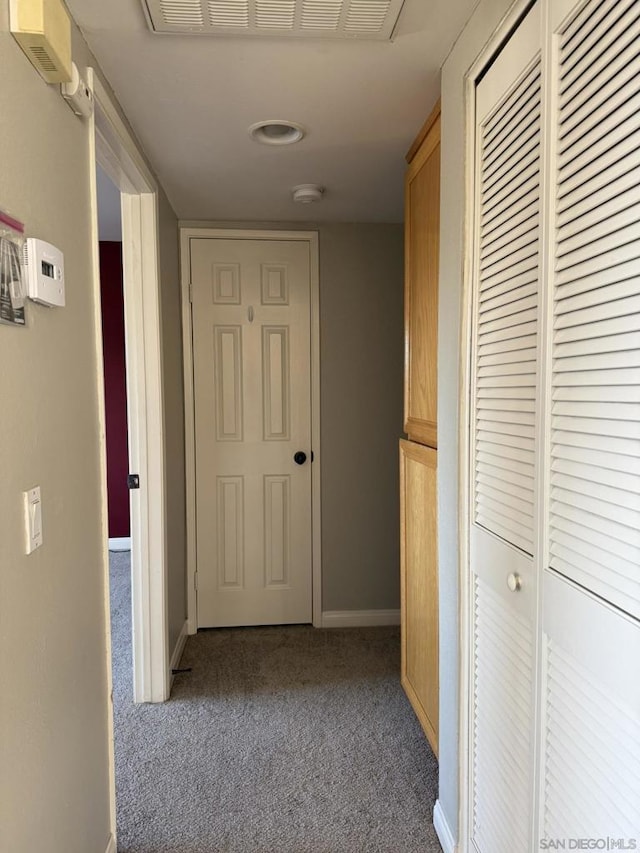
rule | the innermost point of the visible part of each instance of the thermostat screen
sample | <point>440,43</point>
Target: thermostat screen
<point>48,269</point>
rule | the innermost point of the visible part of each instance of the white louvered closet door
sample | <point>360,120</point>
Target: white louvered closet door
<point>504,394</point>
<point>591,603</point>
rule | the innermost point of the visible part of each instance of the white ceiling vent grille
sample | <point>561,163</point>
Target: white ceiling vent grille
<point>181,13</point>
<point>367,19</point>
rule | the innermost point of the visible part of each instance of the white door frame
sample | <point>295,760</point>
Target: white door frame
<point>311,237</point>
<point>115,150</point>
<point>509,22</point>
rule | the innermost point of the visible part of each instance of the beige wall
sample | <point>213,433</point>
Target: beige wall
<point>54,786</point>
<point>54,731</point>
<point>473,38</point>
<point>361,369</point>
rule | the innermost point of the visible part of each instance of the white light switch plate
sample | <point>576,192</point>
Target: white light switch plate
<point>33,519</point>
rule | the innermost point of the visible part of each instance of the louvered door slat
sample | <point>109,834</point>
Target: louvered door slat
<point>501,306</point>
<point>620,107</point>
<point>602,331</point>
<point>505,393</point>
<point>592,720</point>
<point>512,181</point>
<point>511,169</point>
<point>622,179</point>
<point>506,485</point>
<point>610,222</point>
<point>490,295</point>
<point>512,103</point>
<point>604,143</point>
<point>607,91</point>
<point>607,166</point>
<point>508,318</point>
<point>615,300</point>
<point>596,523</point>
<point>613,460</point>
<point>502,353</point>
<point>581,719</point>
<point>520,140</point>
<point>612,40</point>
<point>565,501</point>
<point>587,29</point>
<point>502,702</point>
<point>499,237</point>
<point>493,256</point>
<point>595,442</point>
<point>523,206</point>
<point>627,502</point>
<point>590,214</point>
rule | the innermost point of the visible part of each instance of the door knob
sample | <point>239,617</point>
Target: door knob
<point>300,457</point>
<point>514,582</point>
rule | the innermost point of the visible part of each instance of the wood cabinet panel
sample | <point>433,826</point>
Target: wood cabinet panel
<point>419,583</point>
<point>422,236</point>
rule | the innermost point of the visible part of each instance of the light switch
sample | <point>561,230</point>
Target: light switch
<point>33,519</point>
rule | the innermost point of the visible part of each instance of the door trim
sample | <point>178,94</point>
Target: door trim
<point>115,150</point>
<point>465,594</point>
<point>311,237</point>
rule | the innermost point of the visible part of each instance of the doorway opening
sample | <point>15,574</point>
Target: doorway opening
<point>114,152</point>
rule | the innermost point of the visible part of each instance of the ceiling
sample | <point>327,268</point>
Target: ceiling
<point>190,100</point>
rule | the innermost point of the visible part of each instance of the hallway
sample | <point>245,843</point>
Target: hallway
<point>291,739</point>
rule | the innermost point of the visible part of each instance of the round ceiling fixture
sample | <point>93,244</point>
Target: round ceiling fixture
<point>307,193</point>
<point>276,132</point>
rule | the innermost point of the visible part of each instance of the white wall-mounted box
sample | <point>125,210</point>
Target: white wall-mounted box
<point>42,28</point>
<point>44,271</point>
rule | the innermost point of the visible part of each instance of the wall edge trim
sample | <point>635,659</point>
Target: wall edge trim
<point>179,647</point>
<point>120,543</point>
<point>443,830</point>
<point>359,618</point>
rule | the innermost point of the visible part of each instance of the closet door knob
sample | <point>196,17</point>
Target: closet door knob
<point>514,582</point>
<point>300,457</point>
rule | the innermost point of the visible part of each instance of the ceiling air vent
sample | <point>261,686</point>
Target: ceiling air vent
<point>343,19</point>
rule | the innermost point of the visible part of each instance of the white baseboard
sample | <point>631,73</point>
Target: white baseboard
<point>359,618</point>
<point>121,544</point>
<point>179,648</point>
<point>443,830</point>
<point>111,845</point>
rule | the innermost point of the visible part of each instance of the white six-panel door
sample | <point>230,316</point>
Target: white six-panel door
<point>251,355</point>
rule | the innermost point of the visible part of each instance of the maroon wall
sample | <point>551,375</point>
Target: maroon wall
<point>115,389</point>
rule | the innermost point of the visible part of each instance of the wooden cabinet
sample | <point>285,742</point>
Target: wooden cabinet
<point>422,231</point>
<point>418,457</point>
<point>419,583</point>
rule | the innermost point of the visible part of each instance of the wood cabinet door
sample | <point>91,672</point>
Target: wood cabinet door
<point>422,235</point>
<point>419,583</point>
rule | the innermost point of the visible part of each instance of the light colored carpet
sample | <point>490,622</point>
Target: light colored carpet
<point>280,740</point>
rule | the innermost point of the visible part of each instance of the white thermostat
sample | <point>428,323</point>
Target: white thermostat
<point>44,270</point>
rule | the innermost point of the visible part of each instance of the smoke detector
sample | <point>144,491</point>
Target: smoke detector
<point>276,132</point>
<point>307,193</point>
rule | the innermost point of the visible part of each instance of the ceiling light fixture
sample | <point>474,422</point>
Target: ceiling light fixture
<point>307,193</point>
<point>276,132</point>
